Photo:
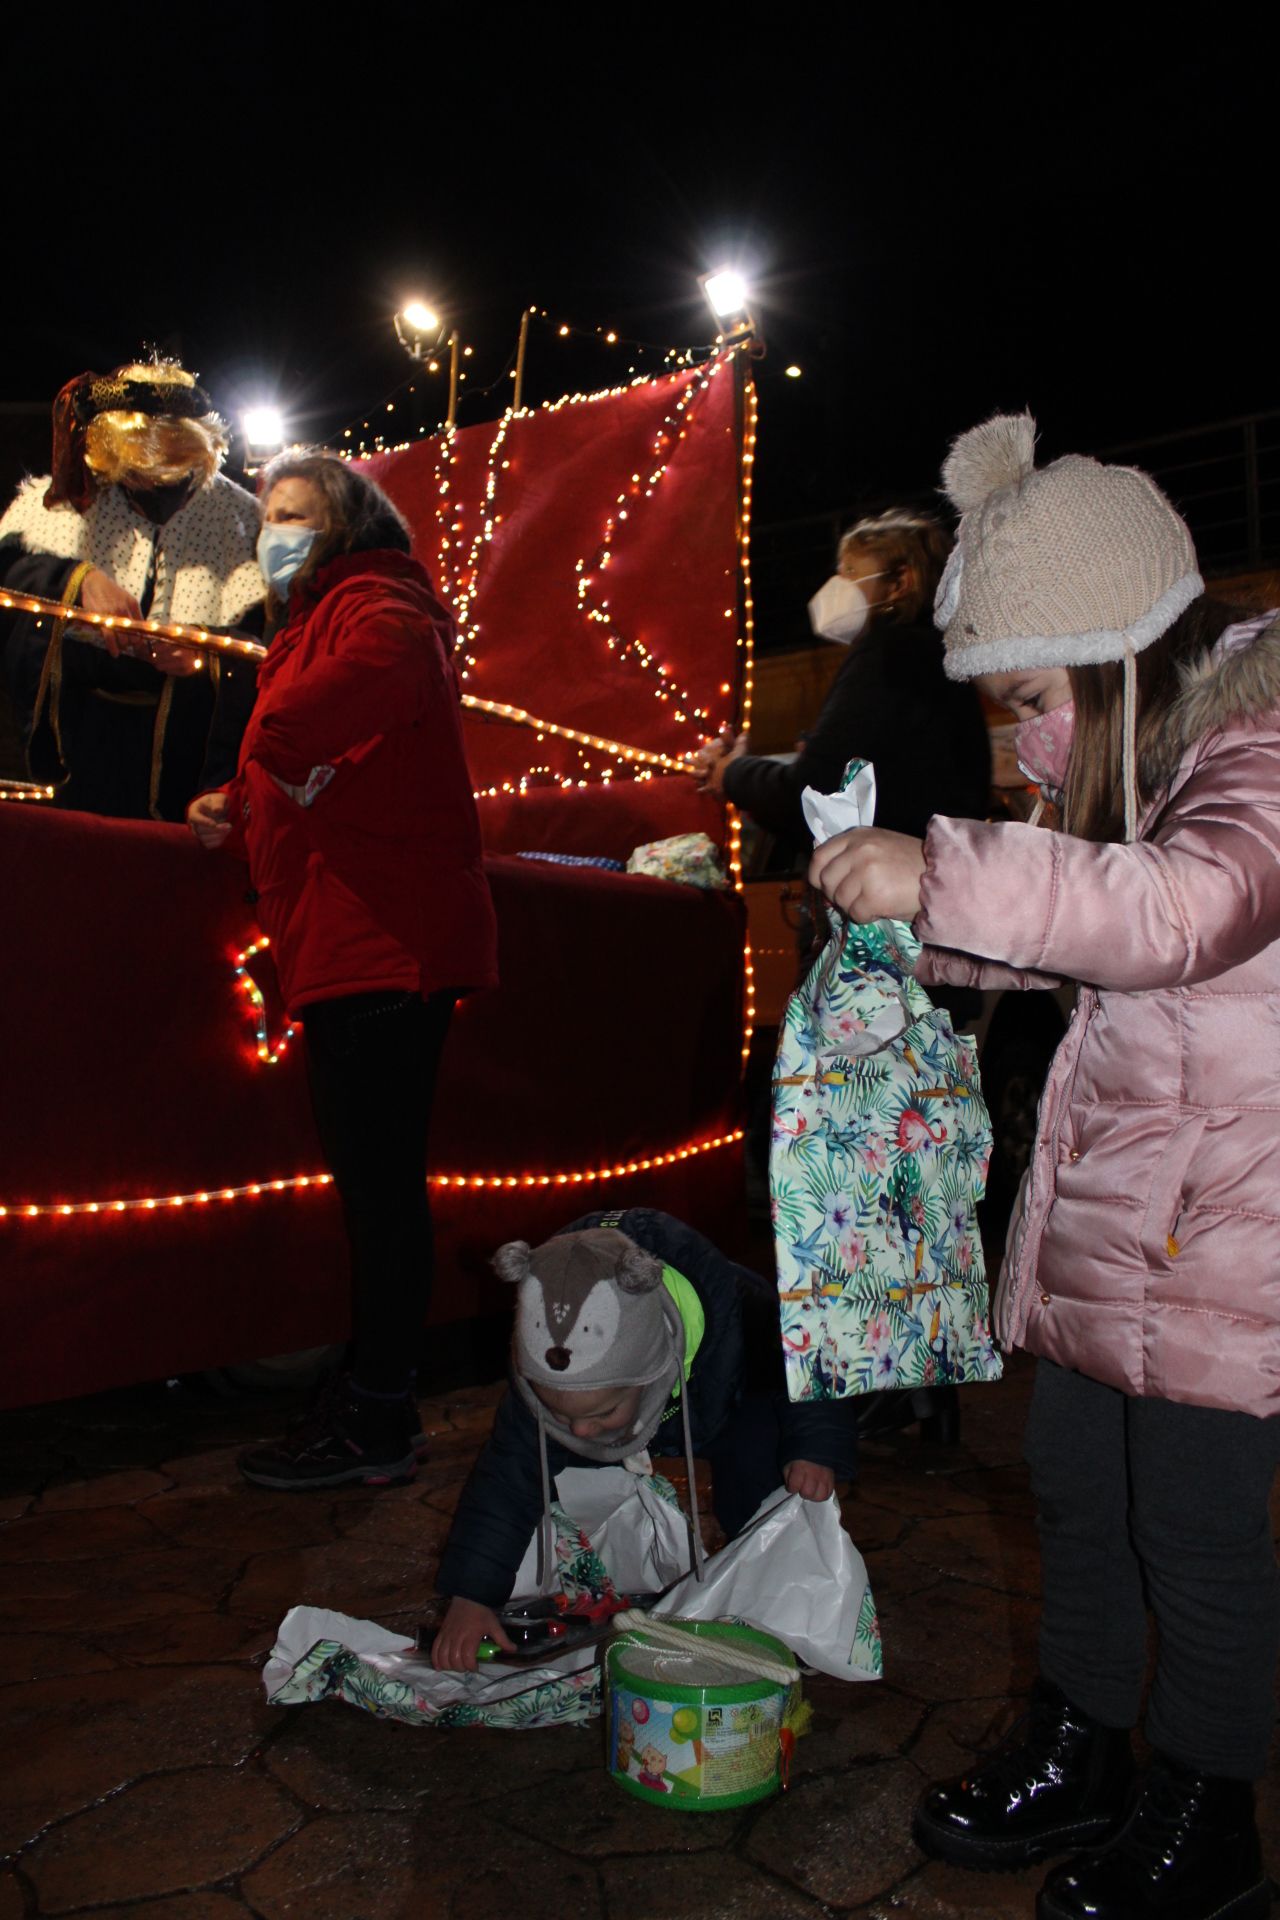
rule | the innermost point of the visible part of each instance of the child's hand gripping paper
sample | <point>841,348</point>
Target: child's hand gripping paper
<point>829,815</point>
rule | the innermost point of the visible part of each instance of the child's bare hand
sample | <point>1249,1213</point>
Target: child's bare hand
<point>870,873</point>
<point>464,1626</point>
<point>809,1481</point>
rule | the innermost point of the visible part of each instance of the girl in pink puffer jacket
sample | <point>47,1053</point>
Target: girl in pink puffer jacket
<point>1142,1263</point>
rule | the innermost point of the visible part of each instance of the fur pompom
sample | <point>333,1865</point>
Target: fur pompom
<point>999,453</point>
<point>638,1271</point>
<point>511,1263</point>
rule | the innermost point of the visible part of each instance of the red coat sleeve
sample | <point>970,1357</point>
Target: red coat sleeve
<point>383,666</point>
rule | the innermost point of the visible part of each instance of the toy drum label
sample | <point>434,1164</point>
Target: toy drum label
<point>708,1753</point>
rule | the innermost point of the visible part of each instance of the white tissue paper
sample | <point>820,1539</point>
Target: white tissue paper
<point>830,813</point>
<point>827,814</point>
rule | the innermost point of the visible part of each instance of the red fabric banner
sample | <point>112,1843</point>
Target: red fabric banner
<point>614,1037</point>
<point>590,550</point>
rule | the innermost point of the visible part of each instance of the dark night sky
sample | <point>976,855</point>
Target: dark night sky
<point>943,216</point>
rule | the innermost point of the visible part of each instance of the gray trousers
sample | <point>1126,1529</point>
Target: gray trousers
<point>1152,1504</point>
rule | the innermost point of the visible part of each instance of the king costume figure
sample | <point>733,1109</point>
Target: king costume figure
<point>136,518</point>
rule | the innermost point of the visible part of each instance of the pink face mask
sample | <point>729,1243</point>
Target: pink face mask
<point>1043,746</point>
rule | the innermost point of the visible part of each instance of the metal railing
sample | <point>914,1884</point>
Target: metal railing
<point>1223,477</point>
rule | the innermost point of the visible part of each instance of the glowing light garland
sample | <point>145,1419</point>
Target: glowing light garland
<point>198,638</point>
<point>250,988</point>
<point>25,790</point>
<point>222,643</point>
<point>257,1189</point>
<point>679,357</point>
<point>746,640</point>
<point>594,608</point>
<point>459,553</point>
<point>202,640</point>
<point>518,715</point>
<point>682,356</point>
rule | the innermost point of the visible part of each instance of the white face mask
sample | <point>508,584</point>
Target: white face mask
<point>839,610</point>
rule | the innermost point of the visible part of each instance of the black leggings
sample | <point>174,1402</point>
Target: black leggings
<point>1150,1503</point>
<point>372,1061</point>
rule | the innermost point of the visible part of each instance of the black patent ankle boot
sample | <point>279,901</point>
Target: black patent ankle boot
<point>1060,1781</point>
<point>1189,1851</point>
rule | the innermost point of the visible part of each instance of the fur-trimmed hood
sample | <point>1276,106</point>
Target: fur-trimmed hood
<point>1237,679</point>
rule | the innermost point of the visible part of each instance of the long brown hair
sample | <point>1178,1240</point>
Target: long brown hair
<point>358,516</point>
<point>1093,804</point>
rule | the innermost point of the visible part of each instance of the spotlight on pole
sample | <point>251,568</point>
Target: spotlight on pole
<point>421,318</point>
<point>729,298</point>
<point>419,329</point>
<point>263,429</point>
<point>421,332</point>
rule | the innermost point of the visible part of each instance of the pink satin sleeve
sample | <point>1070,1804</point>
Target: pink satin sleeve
<point>1200,897</point>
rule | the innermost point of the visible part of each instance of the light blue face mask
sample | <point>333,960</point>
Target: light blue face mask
<point>281,551</point>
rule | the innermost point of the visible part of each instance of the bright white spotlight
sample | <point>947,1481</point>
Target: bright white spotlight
<point>421,318</point>
<point>793,372</point>
<point>264,428</point>
<point>727,293</point>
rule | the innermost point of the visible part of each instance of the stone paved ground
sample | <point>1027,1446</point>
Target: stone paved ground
<point>142,1584</point>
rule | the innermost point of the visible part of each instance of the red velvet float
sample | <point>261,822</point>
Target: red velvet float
<point>615,1035</point>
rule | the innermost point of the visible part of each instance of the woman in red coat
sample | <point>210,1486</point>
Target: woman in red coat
<point>353,806</point>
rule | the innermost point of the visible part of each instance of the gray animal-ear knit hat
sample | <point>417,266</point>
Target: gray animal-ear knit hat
<point>1067,565</point>
<point>592,1312</point>
<point>1061,566</point>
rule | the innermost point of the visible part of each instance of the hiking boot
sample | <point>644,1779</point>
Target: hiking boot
<point>1189,1851</point>
<point>349,1439</point>
<point>1060,1780</point>
<point>402,1407</point>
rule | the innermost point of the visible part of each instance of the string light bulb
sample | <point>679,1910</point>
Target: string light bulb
<point>269,1052</point>
<point>296,1183</point>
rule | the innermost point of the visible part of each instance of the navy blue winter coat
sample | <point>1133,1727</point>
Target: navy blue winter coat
<point>741,1420</point>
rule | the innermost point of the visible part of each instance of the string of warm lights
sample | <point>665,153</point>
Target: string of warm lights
<point>746,641</point>
<point>594,607</point>
<point>198,638</point>
<point>460,548</point>
<point>253,992</point>
<point>25,790</point>
<point>258,1189</point>
<point>640,755</point>
<point>610,337</point>
<point>672,357</point>
<point>459,553</point>
<point>185,636</point>
<point>390,404</point>
<point>747,638</point>
<point>460,581</point>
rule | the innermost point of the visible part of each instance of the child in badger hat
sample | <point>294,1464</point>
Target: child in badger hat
<point>633,1333</point>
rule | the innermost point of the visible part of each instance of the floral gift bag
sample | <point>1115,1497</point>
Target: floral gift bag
<point>880,1148</point>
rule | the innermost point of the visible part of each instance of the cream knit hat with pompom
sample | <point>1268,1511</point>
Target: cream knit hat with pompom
<point>1066,566</point>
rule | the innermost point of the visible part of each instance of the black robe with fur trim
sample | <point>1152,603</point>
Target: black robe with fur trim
<point>115,736</point>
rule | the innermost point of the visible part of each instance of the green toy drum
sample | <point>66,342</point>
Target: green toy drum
<point>697,1713</point>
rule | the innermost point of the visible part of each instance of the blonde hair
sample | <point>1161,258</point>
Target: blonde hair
<point>121,443</point>
<point>900,540</point>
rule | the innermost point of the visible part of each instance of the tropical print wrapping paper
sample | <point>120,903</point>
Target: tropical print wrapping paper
<point>879,1156</point>
<point>399,1684</point>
